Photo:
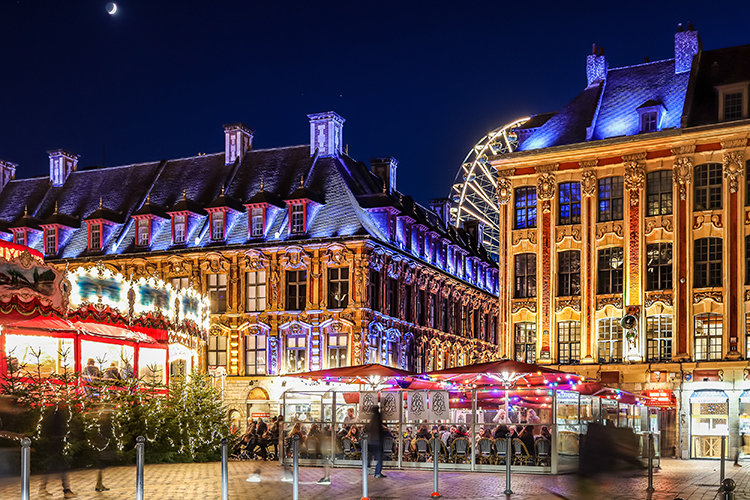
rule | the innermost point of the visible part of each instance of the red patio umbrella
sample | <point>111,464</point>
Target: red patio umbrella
<point>372,374</point>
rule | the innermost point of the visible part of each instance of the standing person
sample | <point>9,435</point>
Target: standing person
<point>349,419</point>
<point>374,431</point>
<point>103,443</point>
<point>57,428</point>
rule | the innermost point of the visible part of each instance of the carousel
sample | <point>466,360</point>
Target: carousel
<point>54,321</point>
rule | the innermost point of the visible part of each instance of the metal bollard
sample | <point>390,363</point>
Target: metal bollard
<point>508,455</point>
<point>650,488</point>
<point>435,460</point>
<point>295,468</point>
<point>727,487</point>
<point>224,469</point>
<point>364,467</point>
<point>723,458</point>
<point>140,449</point>
<point>25,468</point>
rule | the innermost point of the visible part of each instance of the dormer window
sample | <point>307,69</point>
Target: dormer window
<point>648,122</point>
<point>19,238</point>
<point>298,219</point>
<point>95,236</point>
<point>733,106</point>
<point>217,226</point>
<point>733,101</point>
<point>257,221</point>
<point>179,229</point>
<point>143,234</point>
<point>650,115</point>
<point>50,241</point>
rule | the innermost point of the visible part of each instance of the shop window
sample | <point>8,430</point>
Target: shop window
<point>217,351</point>
<point>525,284</point>
<point>708,183</point>
<point>708,336</point>
<point>257,221</point>
<point>29,354</point>
<point>337,350</point>
<point>659,338</point>
<point>373,290</point>
<point>659,193</point>
<point>610,199</point>
<point>217,226</point>
<point>707,261</point>
<point>610,270</point>
<point>255,355</point>
<point>180,282</point>
<point>391,297</point>
<point>296,350</point>
<point>95,236</point>
<point>569,273</point>
<point>50,241</point>
<point>525,207</point>
<point>709,411</point>
<point>570,203</point>
<point>179,229</point>
<point>255,291</point>
<point>143,232</point>
<point>296,290</point>
<point>298,219</point>
<point>610,340</point>
<point>526,342</point>
<point>568,342</point>
<point>338,287</point>
<point>216,287</point>
<point>659,266</point>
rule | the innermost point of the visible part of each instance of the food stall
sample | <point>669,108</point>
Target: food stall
<point>709,421</point>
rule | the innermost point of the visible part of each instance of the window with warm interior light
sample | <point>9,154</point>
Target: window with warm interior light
<point>659,193</point>
<point>659,266</point>
<point>526,342</point>
<point>217,350</point>
<point>255,354</point>
<point>143,232</point>
<point>610,340</point>
<point>609,279</point>
<point>338,287</point>
<point>337,350</point>
<point>216,288</point>
<point>217,226</point>
<point>255,291</point>
<point>569,273</point>
<point>659,338</point>
<point>525,275</point>
<point>568,342</point>
<point>708,336</point>
<point>296,354</point>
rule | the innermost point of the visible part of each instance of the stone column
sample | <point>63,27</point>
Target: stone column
<point>545,192</point>
<point>733,166</point>
<point>588,300</point>
<point>682,171</point>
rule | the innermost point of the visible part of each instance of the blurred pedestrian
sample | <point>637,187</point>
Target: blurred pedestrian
<point>374,429</point>
<point>56,429</point>
<point>103,443</point>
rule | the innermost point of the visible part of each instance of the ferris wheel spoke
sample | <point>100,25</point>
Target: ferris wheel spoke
<point>492,205</point>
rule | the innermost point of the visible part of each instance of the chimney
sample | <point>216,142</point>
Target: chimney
<point>7,172</point>
<point>596,66</point>
<point>61,164</point>
<point>687,43</point>
<point>442,207</point>
<point>238,140</point>
<point>385,168</point>
<point>326,133</point>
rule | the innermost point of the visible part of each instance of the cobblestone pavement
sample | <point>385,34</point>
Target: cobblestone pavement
<point>687,479</point>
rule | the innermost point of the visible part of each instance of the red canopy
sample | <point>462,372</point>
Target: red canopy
<point>503,372</point>
<point>362,374</point>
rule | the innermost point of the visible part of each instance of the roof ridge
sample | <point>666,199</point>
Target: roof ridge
<point>641,64</point>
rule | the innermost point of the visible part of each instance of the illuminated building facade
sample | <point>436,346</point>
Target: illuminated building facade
<point>633,199</point>
<point>310,259</point>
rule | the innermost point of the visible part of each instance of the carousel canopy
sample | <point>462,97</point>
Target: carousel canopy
<point>505,373</point>
<point>363,374</point>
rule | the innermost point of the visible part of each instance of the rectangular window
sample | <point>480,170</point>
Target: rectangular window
<point>298,219</point>
<point>256,291</point>
<point>180,229</point>
<point>525,284</point>
<point>96,237</point>
<point>659,193</point>
<point>525,207</point>
<point>568,342</point>
<point>217,226</point>
<point>648,121</point>
<point>20,237</point>
<point>708,337</point>
<point>296,290</point>
<point>50,241</point>
<point>391,297</point>
<point>610,199</point>
<point>338,287</point>
<point>659,266</point>
<point>444,314</point>
<point>610,270</point>
<point>708,184</point>
<point>144,233</point>
<point>255,355</point>
<point>337,350</point>
<point>610,340</point>
<point>217,351</point>
<point>408,306</point>
<point>570,203</point>
<point>180,282</point>
<point>407,235</point>
<point>256,222</point>
<point>707,261</point>
<point>373,290</point>
<point>659,338</point>
<point>733,106</point>
<point>569,273</point>
<point>296,350</point>
<point>217,292</point>
<point>526,342</point>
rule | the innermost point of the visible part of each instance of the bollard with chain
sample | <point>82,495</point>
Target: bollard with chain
<point>508,455</point>
<point>140,449</point>
<point>435,460</point>
<point>650,488</point>
<point>295,467</point>
<point>727,488</point>
<point>25,468</point>
<point>723,458</point>
<point>364,467</point>
<point>224,469</point>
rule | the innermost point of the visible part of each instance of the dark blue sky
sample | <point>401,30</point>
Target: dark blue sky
<point>420,81</point>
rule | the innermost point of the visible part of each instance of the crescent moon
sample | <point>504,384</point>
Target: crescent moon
<point>111,8</point>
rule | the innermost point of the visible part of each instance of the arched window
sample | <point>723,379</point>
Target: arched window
<point>709,330</point>
<point>610,340</point>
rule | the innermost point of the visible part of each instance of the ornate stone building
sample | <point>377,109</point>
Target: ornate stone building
<point>633,200</point>
<point>310,260</point>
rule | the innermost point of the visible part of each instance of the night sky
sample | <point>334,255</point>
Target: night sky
<point>420,81</point>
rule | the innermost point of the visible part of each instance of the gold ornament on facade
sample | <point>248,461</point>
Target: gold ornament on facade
<point>573,232</point>
<point>682,174</point>
<point>545,169</point>
<point>294,258</point>
<point>664,222</point>
<point>517,305</point>
<point>504,191</point>
<point>605,228</point>
<point>635,157</point>
<point>615,301</point>
<point>715,295</point>
<point>714,219</point>
<point>255,260</point>
<point>635,177</point>
<point>574,304</point>
<point>733,169</point>
<point>683,150</point>
<point>588,183</point>
<point>589,163</point>
<point>654,297</point>
<point>545,187</point>
<point>734,143</point>
<point>523,234</point>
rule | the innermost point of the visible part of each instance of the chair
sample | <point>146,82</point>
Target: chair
<point>422,450</point>
<point>442,451</point>
<point>501,450</point>
<point>484,451</point>
<point>388,446</point>
<point>313,447</point>
<point>459,450</point>
<point>521,455</point>
<point>543,448</point>
<point>350,449</point>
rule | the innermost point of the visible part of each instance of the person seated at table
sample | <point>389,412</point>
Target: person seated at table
<point>349,419</point>
<point>91,373</point>
<point>444,433</point>
<point>527,437</point>
<point>501,431</point>
<point>112,373</point>
<point>485,434</point>
<point>297,431</point>
<point>533,419</point>
<point>423,433</point>
<point>354,435</point>
<point>460,433</point>
<point>544,434</point>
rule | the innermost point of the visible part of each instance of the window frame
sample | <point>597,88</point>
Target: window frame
<point>708,187</point>
<point>373,290</point>
<point>216,290</point>
<point>253,352</point>
<point>524,334</point>
<point>333,350</point>
<point>525,208</point>
<point>139,235</point>
<point>216,352</point>
<point>571,342</point>
<point>179,221</point>
<point>659,275</point>
<point>297,218</point>
<point>50,232</point>
<point>257,222</point>
<point>335,279</point>
<point>609,279</point>
<point>713,348</point>
<point>299,285</point>
<point>609,341</point>
<point>611,194</point>
<point>569,281</point>
<point>658,345</point>
<point>525,281</point>
<point>218,225</point>
<point>659,193</point>
<point>297,352</point>
<point>572,190</point>
<point>709,272</point>
<point>255,281</point>
<point>95,236</point>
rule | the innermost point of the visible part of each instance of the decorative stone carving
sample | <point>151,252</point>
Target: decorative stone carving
<point>523,234</point>
<point>545,187</point>
<point>654,297</point>
<point>653,223</point>
<point>714,295</point>
<point>605,228</point>
<point>734,143</point>
<point>635,157</point>
<point>529,304</point>
<point>714,219</point>
<point>294,258</point>
<point>573,231</point>
<point>603,302</point>
<point>747,295</point>
<point>506,172</point>
<point>682,172</point>
<point>574,304</point>
<point>588,183</point>
<point>504,191</point>
<point>255,260</point>
<point>377,259</point>
<point>338,255</point>
<point>635,177</point>
<point>683,150</point>
<point>733,169</point>
<point>545,169</point>
<point>589,163</point>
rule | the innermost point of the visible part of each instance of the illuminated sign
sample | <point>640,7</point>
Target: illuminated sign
<point>659,397</point>
<point>99,285</point>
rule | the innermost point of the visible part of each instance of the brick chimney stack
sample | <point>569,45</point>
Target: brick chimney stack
<point>7,172</point>
<point>385,168</point>
<point>596,66</point>
<point>61,164</point>
<point>687,43</point>
<point>238,140</point>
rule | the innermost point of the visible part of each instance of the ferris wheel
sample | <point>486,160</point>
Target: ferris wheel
<point>474,191</point>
